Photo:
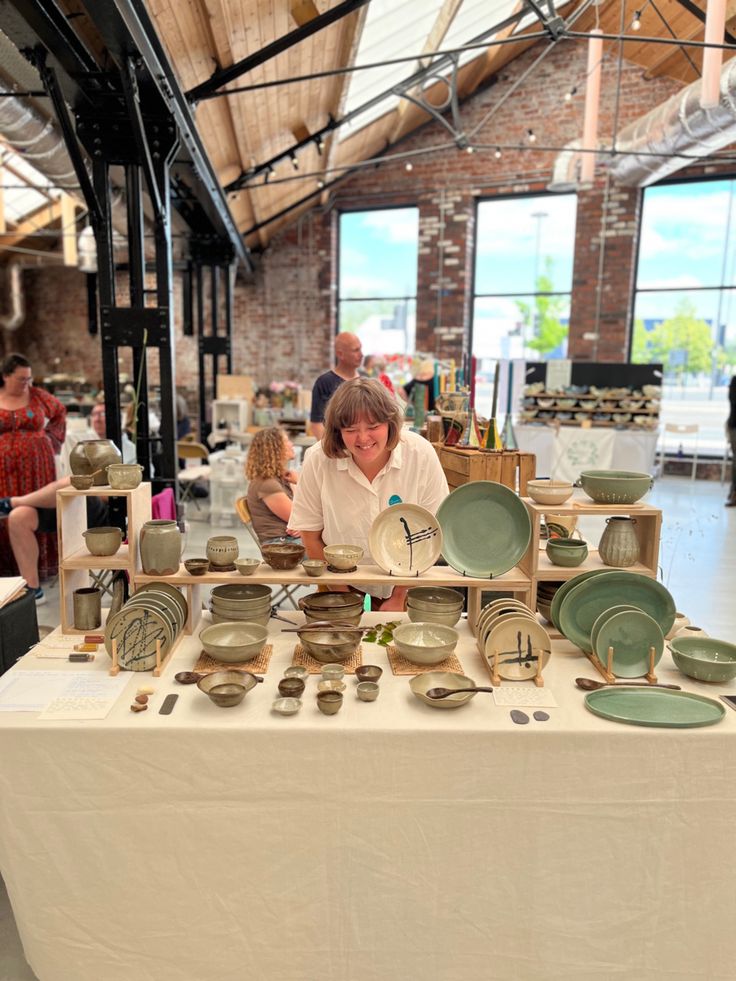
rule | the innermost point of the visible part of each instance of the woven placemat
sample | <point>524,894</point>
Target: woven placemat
<point>400,665</point>
<point>305,660</point>
<point>257,665</point>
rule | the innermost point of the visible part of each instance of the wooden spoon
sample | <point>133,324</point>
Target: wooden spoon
<point>444,692</point>
<point>587,684</point>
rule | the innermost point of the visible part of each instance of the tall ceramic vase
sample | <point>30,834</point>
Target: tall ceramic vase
<point>619,544</point>
<point>161,545</point>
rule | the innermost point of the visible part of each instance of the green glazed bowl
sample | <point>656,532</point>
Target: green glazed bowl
<point>566,552</point>
<point>615,486</point>
<point>704,658</point>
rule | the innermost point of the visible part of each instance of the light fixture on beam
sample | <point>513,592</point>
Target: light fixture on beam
<point>294,161</point>
<point>636,22</point>
<point>592,102</point>
<point>715,27</point>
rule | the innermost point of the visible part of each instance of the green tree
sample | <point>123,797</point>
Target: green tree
<point>682,332</point>
<point>640,353</point>
<point>541,319</point>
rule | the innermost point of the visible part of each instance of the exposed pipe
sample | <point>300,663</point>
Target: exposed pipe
<point>17,307</point>
<point>566,169</point>
<point>715,25</point>
<point>592,100</point>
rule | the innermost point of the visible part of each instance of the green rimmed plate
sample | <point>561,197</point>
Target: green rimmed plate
<point>602,619</point>
<point>405,540</point>
<point>565,588</point>
<point>582,605</point>
<point>486,528</point>
<point>655,707</point>
<point>630,633</point>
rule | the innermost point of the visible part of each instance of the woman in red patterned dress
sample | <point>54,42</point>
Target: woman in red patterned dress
<point>32,429</point>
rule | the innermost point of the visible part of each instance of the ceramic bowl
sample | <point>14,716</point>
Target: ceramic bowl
<point>246,567</point>
<point>331,684</point>
<point>287,706</point>
<point>326,646</point>
<point>421,683</point>
<point>367,691</point>
<point>425,643</point>
<point>347,607</point>
<point>262,619</point>
<point>368,672</point>
<point>333,672</point>
<point>231,642</point>
<point>222,550</point>
<point>81,481</point>
<point>124,476</point>
<point>103,541</point>
<point>549,491</point>
<point>343,557</point>
<point>227,688</point>
<point>704,658</point>
<point>291,687</point>
<point>297,671</point>
<point>329,702</point>
<point>242,594</point>
<point>196,567</point>
<point>425,616</point>
<point>314,567</point>
<point>615,486</point>
<point>286,556</point>
<point>566,552</point>
<point>435,599</point>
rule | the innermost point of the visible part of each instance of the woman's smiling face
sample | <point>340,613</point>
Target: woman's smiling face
<point>366,441</point>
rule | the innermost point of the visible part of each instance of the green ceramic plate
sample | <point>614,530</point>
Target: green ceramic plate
<point>630,633</point>
<point>602,619</point>
<point>655,707</point>
<point>486,528</point>
<point>582,605</point>
<point>565,589</point>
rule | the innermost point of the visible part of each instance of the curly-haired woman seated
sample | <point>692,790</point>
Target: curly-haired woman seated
<point>270,488</point>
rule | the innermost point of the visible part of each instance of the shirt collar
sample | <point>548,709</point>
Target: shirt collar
<point>394,460</point>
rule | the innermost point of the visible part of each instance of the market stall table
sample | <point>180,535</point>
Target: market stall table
<point>392,840</point>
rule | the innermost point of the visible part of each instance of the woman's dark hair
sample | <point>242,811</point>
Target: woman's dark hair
<point>363,398</point>
<point>12,362</point>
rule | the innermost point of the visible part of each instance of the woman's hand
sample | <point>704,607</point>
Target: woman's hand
<point>291,476</point>
<point>396,602</point>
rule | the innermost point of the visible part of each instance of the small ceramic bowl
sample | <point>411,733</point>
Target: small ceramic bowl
<point>368,672</point>
<point>196,567</point>
<point>329,702</point>
<point>421,683</point>
<point>124,476</point>
<point>246,567</point>
<point>287,706</point>
<point>566,552</point>
<point>367,691</point>
<point>81,481</point>
<point>549,491</point>
<point>333,672</point>
<point>332,685</point>
<point>227,688</point>
<point>103,541</point>
<point>297,671</point>
<point>343,557</point>
<point>291,687</point>
<point>314,567</point>
<point>233,641</point>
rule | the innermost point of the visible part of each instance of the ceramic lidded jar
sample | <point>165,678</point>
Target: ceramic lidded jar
<point>222,551</point>
<point>619,544</point>
<point>161,545</point>
<point>92,455</point>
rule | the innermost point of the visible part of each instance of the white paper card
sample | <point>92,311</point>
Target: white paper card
<point>559,373</point>
<point>519,695</point>
<point>30,691</point>
<point>86,696</point>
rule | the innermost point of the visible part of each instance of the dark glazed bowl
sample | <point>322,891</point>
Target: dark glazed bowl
<point>291,687</point>
<point>286,556</point>
<point>196,567</point>
<point>368,672</point>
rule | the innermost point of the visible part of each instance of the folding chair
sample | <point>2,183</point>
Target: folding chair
<point>187,450</point>
<point>286,592</point>
<point>686,436</point>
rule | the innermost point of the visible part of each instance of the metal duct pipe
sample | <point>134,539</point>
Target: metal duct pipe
<point>36,138</point>
<point>17,307</point>
<point>678,125</point>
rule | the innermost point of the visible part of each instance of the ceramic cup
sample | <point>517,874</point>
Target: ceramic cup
<point>331,685</point>
<point>291,687</point>
<point>329,702</point>
<point>333,672</point>
<point>222,550</point>
<point>87,606</point>
<point>314,567</point>
<point>367,691</point>
<point>297,671</point>
<point>368,672</point>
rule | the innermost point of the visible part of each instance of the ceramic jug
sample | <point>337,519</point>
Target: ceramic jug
<point>619,544</point>
<point>92,455</point>
<point>161,545</point>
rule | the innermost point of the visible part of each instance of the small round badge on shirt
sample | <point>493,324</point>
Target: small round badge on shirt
<point>394,499</point>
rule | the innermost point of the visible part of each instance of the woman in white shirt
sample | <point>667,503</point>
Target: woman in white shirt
<point>364,463</point>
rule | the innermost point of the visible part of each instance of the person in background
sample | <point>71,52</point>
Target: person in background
<point>374,366</point>
<point>271,483</point>
<point>731,431</point>
<point>98,427</point>
<point>348,356</point>
<point>424,378</point>
<point>32,430</point>
<point>365,459</point>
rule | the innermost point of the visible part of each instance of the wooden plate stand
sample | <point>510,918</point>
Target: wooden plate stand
<point>160,662</point>
<point>496,678</point>
<point>606,671</point>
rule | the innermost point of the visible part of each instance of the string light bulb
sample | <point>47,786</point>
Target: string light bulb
<point>469,149</point>
<point>570,94</point>
<point>320,183</point>
<point>409,166</point>
<point>636,22</point>
<point>531,136</point>
<point>320,144</point>
<point>294,161</point>
<point>497,153</point>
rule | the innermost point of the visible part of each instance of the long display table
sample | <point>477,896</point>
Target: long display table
<point>393,840</point>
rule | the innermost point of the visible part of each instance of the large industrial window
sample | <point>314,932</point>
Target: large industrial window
<point>523,277</point>
<point>685,301</point>
<point>377,295</point>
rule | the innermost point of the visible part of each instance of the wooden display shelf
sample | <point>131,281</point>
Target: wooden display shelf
<point>548,572</point>
<point>83,559</point>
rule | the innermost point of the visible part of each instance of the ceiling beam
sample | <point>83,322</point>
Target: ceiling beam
<point>224,75</point>
<point>49,213</point>
<point>699,15</point>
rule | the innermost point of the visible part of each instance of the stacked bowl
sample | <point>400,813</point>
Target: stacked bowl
<point>340,607</point>
<point>433,604</point>
<point>545,594</point>
<point>248,602</point>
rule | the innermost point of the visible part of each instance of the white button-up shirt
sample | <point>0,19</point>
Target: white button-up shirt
<point>336,498</point>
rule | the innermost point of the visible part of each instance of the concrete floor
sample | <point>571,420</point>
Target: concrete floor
<point>698,563</point>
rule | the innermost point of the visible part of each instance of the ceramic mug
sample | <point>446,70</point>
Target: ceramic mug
<point>560,525</point>
<point>87,605</point>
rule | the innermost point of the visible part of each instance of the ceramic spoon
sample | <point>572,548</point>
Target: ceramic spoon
<point>444,692</point>
<point>587,684</point>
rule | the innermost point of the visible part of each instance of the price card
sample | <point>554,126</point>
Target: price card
<point>559,374</point>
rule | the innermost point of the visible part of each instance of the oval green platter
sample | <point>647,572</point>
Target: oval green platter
<point>655,707</point>
<point>565,588</point>
<point>630,633</point>
<point>486,528</point>
<point>582,605</point>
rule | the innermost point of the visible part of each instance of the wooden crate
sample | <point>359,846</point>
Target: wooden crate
<point>509,467</point>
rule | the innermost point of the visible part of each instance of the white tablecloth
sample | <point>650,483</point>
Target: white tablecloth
<point>392,841</point>
<point>631,450</point>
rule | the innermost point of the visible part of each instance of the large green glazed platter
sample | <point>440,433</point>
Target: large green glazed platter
<point>582,606</point>
<point>655,707</point>
<point>615,486</point>
<point>486,528</point>
<point>630,633</point>
<point>554,610</point>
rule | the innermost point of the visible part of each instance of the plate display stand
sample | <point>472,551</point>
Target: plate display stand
<point>75,561</point>
<point>161,662</point>
<point>537,565</point>
<point>497,680</point>
<point>606,670</point>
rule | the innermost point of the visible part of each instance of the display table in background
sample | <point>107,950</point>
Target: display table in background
<point>393,840</point>
<point>570,449</point>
